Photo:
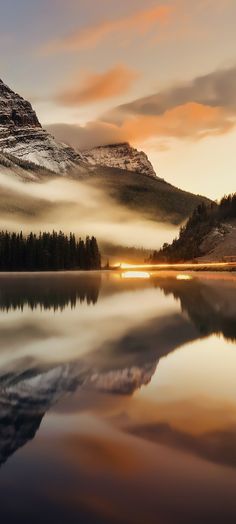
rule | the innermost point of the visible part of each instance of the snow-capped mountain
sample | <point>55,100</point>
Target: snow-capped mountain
<point>121,156</point>
<point>22,135</point>
<point>31,153</point>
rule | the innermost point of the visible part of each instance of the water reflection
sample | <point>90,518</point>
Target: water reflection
<point>48,291</point>
<point>138,390</point>
<point>209,303</point>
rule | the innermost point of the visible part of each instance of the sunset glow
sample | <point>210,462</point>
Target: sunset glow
<point>136,274</point>
<point>183,277</point>
<point>184,265</point>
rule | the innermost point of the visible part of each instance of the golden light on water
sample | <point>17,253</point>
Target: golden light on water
<point>135,274</point>
<point>184,277</point>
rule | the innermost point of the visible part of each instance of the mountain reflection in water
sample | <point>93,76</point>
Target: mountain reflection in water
<point>91,351</point>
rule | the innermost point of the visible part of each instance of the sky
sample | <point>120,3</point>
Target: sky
<point>158,74</point>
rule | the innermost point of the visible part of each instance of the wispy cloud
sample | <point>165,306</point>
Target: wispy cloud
<point>94,133</point>
<point>215,89</point>
<point>137,24</point>
<point>189,121</point>
<point>97,87</point>
<point>82,207</point>
<point>205,106</point>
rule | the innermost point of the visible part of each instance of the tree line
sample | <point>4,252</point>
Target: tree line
<point>203,219</point>
<point>47,252</point>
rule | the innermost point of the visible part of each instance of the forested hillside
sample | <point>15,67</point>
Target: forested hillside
<point>203,221</point>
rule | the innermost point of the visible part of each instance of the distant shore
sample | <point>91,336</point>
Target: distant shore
<point>208,266</point>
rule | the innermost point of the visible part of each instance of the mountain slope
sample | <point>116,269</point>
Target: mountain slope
<point>220,243</point>
<point>149,196</point>
<point>22,169</point>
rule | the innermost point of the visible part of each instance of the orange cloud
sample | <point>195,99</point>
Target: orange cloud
<point>96,87</point>
<point>138,23</point>
<point>191,120</point>
<point>188,121</point>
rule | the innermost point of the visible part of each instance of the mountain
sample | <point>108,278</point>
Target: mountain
<point>22,135</point>
<point>209,235</point>
<point>121,156</point>
<point>31,153</point>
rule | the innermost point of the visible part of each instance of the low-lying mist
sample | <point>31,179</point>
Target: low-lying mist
<point>78,206</point>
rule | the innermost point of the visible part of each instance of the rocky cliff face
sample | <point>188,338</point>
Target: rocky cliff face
<point>121,156</point>
<point>220,243</point>
<point>22,135</point>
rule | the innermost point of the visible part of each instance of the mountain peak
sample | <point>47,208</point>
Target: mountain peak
<point>15,111</point>
<point>116,144</point>
<point>121,156</point>
<point>22,135</point>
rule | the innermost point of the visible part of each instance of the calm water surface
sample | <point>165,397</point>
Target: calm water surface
<point>118,398</point>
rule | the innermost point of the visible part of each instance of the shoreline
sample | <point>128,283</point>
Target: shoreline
<point>207,267</point>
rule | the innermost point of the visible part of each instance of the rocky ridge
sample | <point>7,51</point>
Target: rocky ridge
<point>219,244</point>
<point>121,156</point>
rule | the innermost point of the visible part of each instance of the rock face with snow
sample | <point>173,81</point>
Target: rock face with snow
<point>22,135</point>
<point>121,156</point>
<point>22,169</point>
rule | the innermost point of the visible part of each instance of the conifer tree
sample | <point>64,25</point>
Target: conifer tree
<point>47,252</point>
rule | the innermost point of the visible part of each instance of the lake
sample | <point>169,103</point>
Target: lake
<point>118,398</point>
